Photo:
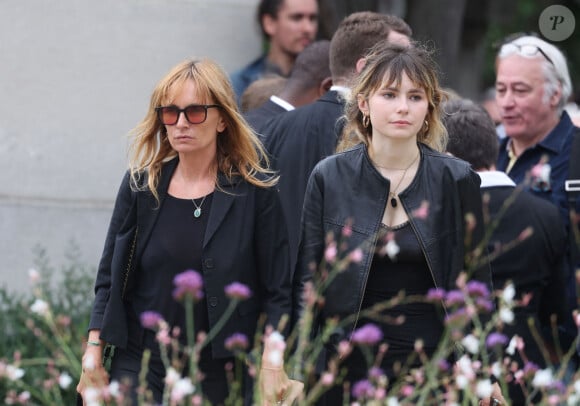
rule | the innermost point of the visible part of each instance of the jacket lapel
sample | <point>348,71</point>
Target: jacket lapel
<point>223,198</point>
<point>148,208</point>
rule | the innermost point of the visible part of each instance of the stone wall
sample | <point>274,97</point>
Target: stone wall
<point>75,77</point>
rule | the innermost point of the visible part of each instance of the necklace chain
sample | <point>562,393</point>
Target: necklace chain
<point>393,191</point>
<point>197,211</point>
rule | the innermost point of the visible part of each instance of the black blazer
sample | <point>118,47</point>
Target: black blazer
<point>296,141</point>
<point>535,264</point>
<point>245,241</point>
<point>258,117</point>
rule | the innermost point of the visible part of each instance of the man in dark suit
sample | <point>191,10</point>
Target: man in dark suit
<point>527,246</point>
<point>299,139</point>
<point>308,80</point>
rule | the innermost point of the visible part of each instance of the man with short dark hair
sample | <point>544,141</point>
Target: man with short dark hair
<point>299,139</point>
<point>309,79</point>
<point>288,26</point>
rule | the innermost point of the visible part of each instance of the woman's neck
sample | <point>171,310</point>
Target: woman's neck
<point>394,155</point>
<point>194,177</point>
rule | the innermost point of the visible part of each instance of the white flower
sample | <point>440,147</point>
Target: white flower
<point>92,396</point>
<point>24,397</point>
<point>33,276</point>
<point>39,307</point>
<point>392,249</point>
<point>392,401</point>
<point>275,358</point>
<point>461,381</point>
<point>115,389</point>
<point>89,363</point>
<point>506,315</point>
<point>543,378</point>
<point>496,369</point>
<point>511,348</point>
<point>275,337</point>
<point>471,343</point>
<point>13,373</point>
<point>465,366</point>
<point>577,386</point>
<point>483,388</point>
<point>64,380</point>
<point>573,400</point>
<point>171,376</point>
<point>181,389</point>
<point>508,294</point>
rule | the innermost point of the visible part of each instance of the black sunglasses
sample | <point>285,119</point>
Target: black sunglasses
<point>194,113</point>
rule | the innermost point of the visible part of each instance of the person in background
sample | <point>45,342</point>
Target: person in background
<point>374,189</point>
<point>535,264</point>
<point>201,200</point>
<point>260,91</point>
<point>287,26</point>
<point>309,79</point>
<point>532,87</point>
<point>489,103</point>
<point>299,139</point>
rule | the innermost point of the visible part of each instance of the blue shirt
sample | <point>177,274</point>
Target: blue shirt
<point>556,148</point>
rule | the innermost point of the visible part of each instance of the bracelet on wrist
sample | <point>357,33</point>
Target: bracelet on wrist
<point>271,369</point>
<point>94,343</point>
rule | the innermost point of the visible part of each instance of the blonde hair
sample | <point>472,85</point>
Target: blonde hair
<point>239,151</point>
<point>385,64</point>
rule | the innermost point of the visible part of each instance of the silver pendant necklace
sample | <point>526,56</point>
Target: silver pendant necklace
<point>197,211</point>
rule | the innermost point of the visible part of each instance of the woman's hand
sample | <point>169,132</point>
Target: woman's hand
<point>275,386</point>
<point>277,389</point>
<point>496,398</point>
<point>93,373</point>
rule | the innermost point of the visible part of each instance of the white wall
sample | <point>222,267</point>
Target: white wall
<point>75,77</point>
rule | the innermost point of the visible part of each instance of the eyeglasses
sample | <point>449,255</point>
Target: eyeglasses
<point>524,50</point>
<point>194,113</point>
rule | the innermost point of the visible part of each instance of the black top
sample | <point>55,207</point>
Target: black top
<point>406,271</point>
<point>175,246</point>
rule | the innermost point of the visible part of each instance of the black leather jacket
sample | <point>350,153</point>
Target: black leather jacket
<point>347,189</point>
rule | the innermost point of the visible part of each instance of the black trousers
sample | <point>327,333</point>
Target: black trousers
<point>126,368</point>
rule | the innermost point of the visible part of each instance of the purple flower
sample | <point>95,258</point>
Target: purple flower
<point>237,341</point>
<point>238,290</point>
<point>435,294</point>
<point>375,373</point>
<point>369,334</point>
<point>454,297</point>
<point>459,316</point>
<point>496,339</point>
<point>477,289</point>
<point>484,304</point>
<point>363,389</point>
<point>150,319</point>
<point>443,365</point>
<point>530,368</point>
<point>188,283</point>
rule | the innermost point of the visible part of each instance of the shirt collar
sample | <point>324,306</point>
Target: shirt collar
<point>282,103</point>
<point>555,140</point>
<point>343,91</point>
<point>495,178</point>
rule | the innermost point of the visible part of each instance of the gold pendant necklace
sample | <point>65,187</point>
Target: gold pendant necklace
<point>393,193</point>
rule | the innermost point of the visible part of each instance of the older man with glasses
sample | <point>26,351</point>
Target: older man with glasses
<point>532,87</point>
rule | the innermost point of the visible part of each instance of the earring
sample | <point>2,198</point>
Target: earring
<point>366,121</point>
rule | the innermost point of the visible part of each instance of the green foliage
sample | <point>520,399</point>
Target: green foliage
<point>46,346</point>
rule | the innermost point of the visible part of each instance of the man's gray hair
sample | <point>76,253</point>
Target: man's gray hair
<point>555,70</point>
